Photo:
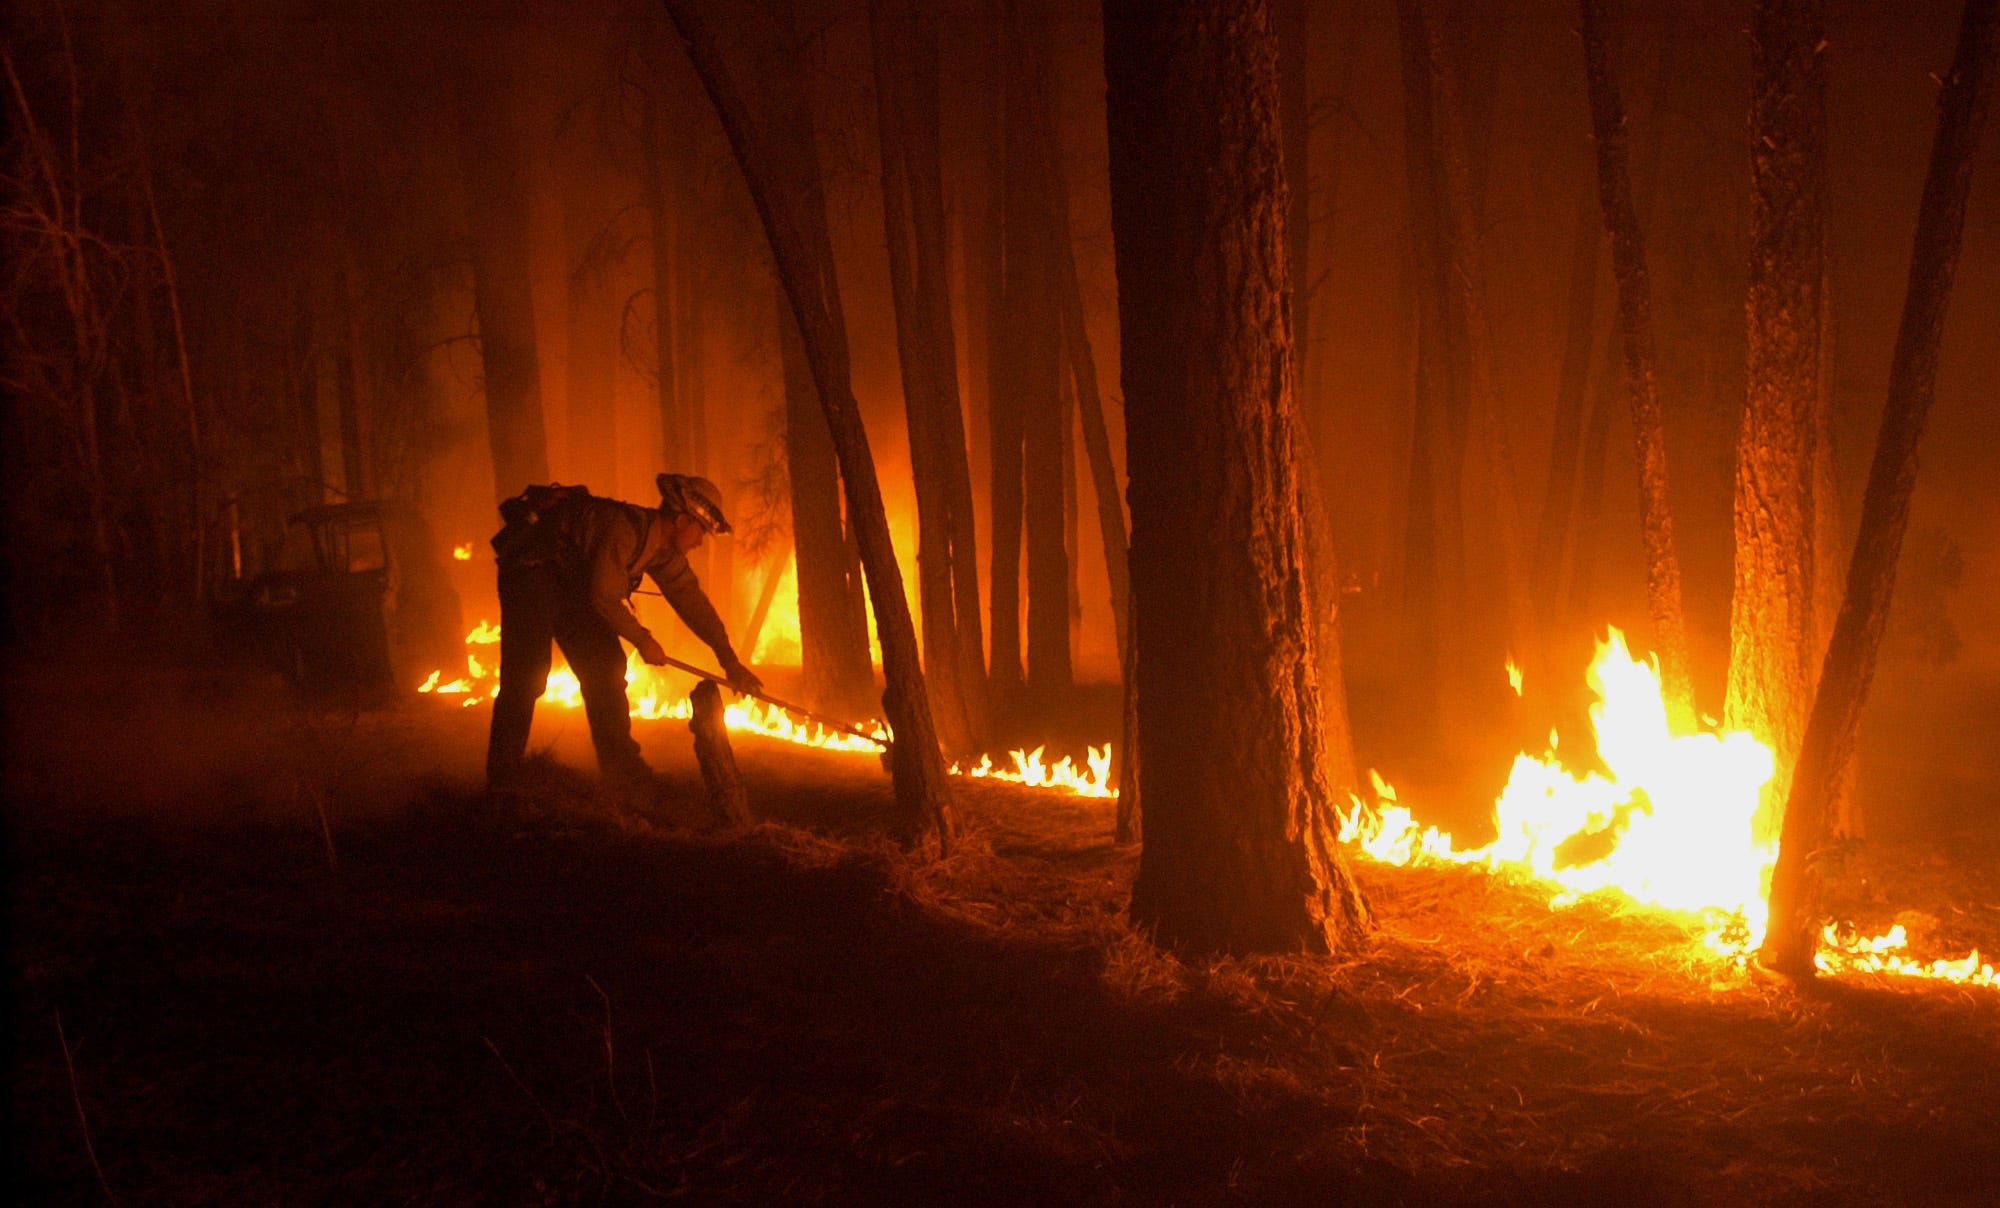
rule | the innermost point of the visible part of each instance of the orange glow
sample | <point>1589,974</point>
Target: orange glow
<point>462,552</point>
<point>1670,828</point>
<point>658,695</point>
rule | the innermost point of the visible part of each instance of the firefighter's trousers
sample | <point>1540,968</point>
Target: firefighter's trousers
<point>540,602</point>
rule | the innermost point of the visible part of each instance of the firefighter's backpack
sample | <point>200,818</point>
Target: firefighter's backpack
<point>525,533</point>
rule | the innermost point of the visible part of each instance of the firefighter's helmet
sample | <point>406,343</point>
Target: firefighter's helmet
<point>692,496</point>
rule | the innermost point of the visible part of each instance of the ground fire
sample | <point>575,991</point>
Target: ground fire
<point>1147,602</point>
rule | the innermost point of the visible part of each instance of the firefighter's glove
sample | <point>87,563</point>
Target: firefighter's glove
<point>741,678</point>
<point>650,650</point>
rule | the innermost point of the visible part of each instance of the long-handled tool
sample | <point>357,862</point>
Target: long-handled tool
<point>787,706</point>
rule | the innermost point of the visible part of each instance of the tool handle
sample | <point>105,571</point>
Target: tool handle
<point>787,706</point>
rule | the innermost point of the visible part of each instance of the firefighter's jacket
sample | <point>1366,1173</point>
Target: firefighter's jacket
<point>610,544</point>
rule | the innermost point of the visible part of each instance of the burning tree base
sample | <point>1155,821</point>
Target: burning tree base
<point>1671,826</point>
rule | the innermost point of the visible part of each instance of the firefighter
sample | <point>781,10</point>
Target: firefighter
<point>568,564</point>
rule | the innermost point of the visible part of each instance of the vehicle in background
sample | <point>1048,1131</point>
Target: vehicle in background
<point>358,601</point>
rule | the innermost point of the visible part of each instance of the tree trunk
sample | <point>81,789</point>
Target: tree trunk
<point>1239,853</point>
<point>833,639</point>
<point>1130,816</point>
<point>1294,19</point>
<point>1096,437</point>
<point>496,209</point>
<point>590,370</point>
<point>1032,338</point>
<point>726,799</point>
<point>653,191</point>
<point>1461,172</point>
<point>900,37</point>
<point>1791,936</point>
<point>1583,500</point>
<point>1003,411</point>
<point>794,216</point>
<point>1323,574</point>
<point>1770,625</point>
<point>1556,534</point>
<point>1432,566</point>
<point>1635,320</point>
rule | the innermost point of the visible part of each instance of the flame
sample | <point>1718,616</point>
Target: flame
<point>656,695</point>
<point>1671,826</point>
<point>1092,781</point>
<point>1513,675</point>
<point>462,552</point>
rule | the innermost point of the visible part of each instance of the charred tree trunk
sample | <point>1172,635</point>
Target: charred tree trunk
<point>726,798</point>
<point>1635,321</point>
<point>1031,345</point>
<point>1791,936</point>
<point>1240,853</point>
<point>1131,813</point>
<point>1003,410</point>
<point>794,218</point>
<point>1096,437</point>
<point>905,54</point>
<point>1576,475</point>
<point>833,638</point>
<point>496,206</point>
<point>1770,624</point>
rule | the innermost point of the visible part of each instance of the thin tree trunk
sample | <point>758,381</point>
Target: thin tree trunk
<point>1791,936</point>
<point>1430,546</point>
<point>948,430</point>
<point>184,377</point>
<point>590,368</point>
<point>1033,343</point>
<point>795,221</point>
<point>754,628</point>
<point>833,639</point>
<point>496,207</point>
<point>1586,505</point>
<point>1096,437</point>
<point>1462,174</point>
<point>653,189</point>
<point>1635,318</point>
<point>1003,411</point>
<point>898,33</point>
<point>1555,539</point>
<point>1239,852</point>
<point>1770,624</point>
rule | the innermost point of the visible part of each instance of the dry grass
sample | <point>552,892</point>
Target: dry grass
<point>610,1001</point>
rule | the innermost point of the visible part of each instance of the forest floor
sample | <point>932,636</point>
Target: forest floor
<point>265,954</point>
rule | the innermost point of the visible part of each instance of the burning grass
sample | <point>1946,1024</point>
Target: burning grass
<point>587,1003</point>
